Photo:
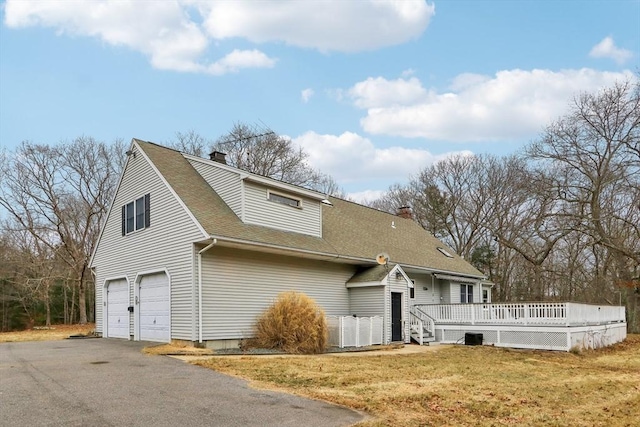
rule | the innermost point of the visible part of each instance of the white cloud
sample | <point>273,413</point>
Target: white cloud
<point>239,59</point>
<point>365,196</point>
<point>175,34</point>
<point>351,158</point>
<point>379,92</point>
<point>306,94</point>
<point>513,104</point>
<point>345,26</point>
<point>161,30</point>
<point>607,49</point>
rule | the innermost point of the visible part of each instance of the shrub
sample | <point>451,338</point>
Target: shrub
<point>294,324</point>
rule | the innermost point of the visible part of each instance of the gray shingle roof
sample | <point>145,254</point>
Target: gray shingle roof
<point>349,230</point>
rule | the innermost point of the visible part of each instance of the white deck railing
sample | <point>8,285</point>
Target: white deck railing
<point>530,313</point>
<point>349,331</point>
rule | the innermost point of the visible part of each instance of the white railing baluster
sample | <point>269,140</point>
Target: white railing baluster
<point>538,313</point>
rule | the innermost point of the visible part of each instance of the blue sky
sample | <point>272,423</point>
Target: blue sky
<point>373,91</point>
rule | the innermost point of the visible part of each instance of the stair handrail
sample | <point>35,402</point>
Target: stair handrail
<point>415,321</point>
<point>428,321</point>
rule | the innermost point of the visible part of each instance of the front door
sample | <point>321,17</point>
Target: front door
<point>396,316</point>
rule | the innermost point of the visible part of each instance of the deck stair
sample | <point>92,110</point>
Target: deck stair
<point>423,328</point>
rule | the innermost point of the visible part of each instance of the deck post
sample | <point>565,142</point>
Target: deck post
<point>526,314</point>
<point>473,314</point>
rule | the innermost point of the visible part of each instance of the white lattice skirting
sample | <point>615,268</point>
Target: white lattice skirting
<point>537,337</point>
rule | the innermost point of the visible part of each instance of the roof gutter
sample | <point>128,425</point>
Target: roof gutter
<point>337,256</point>
<point>287,248</point>
<point>206,248</point>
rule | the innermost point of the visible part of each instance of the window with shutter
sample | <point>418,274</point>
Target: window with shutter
<point>136,215</point>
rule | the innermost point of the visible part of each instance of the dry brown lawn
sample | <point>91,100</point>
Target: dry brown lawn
<point>176,349</point>
<point>463,385</point>
<point>55,332</point>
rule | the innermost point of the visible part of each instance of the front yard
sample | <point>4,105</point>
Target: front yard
<point>44,333</point>
<point>463,385</point>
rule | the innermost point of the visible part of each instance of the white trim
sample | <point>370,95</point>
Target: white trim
<point>166,183</point>
<point>456,278</point>
<point>135,215</point>
<point>404,275</point>
<point>203,250</point>
<point>243,208</point>
<point>284,196</point>
<point>249,176</point>
<point>136,297</point>
<point>105,306</point>
<point>113,201</point>
<point>365,284</point>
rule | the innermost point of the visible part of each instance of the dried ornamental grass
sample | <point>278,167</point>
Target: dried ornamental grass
<point>294,324</point>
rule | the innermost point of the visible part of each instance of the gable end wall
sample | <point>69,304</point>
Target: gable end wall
<point>167,243</point>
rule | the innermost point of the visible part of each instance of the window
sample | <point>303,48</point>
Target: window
<point>279,198</point>
<point>485,296</point>
<point>130,217</point>
<point>412,293</point>
<point>444,252</point>
<point>466,294</point>
<point>140,213</point>
<point>136,215</point>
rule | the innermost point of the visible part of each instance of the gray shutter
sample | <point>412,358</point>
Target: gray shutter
<point>147,210</point>
<point>124,220</point>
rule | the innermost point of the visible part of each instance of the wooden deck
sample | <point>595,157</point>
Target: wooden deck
<point>535,325</point>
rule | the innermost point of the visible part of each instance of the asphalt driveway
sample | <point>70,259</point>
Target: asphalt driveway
<point>108,382</point>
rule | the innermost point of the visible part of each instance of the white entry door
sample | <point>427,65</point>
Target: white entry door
<point>155,308</point>
<point>117,309</point>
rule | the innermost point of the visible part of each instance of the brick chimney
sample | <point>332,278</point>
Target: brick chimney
<point>404,212</point>
<point>219,157</point>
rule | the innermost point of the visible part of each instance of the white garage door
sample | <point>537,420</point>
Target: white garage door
<point>155,308</point>
<point>117,309</point>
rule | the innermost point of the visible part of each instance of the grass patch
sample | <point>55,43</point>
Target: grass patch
<point>463,385</point>
<point>54,332</point>
<point>176,349</point>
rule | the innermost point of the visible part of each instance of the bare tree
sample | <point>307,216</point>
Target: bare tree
<point>595,148</point>
<point>190,142</point>
<point>59,196</point>
<point>263,152</point>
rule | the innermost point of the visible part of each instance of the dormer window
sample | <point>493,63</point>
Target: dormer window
<point>285,200</point>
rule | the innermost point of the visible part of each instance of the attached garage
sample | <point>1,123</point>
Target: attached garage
<point>116,308</point>
<point>154,307</point>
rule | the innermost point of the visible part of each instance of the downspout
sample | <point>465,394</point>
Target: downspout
<point>206,248</point>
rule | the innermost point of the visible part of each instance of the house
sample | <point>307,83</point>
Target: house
<point>194,250</point>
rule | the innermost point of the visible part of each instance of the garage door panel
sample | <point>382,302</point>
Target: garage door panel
<point>117,309</point>
<point>155,308</point>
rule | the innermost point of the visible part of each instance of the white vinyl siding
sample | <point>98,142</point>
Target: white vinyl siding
<point>455,293</point>
<point>166,244</point>
<point>366,301</point>
<point>226,183</point>
<point>431,295</point>
<point>240,285</point>
<point>260,210</point>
